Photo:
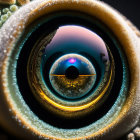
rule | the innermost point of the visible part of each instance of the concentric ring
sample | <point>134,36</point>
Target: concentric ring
<point>126,106</point>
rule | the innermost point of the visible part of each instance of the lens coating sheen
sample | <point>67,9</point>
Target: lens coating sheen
<point>78,40</point>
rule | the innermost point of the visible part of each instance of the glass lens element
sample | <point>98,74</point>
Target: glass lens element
<point>72,75</point>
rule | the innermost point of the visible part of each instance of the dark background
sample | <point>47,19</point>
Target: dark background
<point>129,8</point>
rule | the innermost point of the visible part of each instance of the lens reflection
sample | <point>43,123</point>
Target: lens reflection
<point>74,39</point>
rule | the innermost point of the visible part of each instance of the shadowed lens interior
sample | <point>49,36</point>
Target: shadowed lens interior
<point>71,72</point>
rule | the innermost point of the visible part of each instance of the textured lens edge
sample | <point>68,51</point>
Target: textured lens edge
<point>125,35</point>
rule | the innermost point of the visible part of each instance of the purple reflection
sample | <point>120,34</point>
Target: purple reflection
<point>72,60</point>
